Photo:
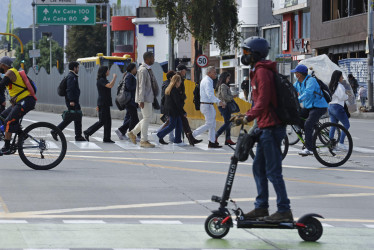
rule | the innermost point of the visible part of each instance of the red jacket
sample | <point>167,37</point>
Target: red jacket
<point>263,95</point>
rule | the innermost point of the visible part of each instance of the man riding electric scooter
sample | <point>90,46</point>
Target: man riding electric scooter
<point>267,164</point>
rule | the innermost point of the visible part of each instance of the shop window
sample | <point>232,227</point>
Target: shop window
<point>295,26</point>
<point>335,9</point>
<point>124,41</point>
<point>306,25</point>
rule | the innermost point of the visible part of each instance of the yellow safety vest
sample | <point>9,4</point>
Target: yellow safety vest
<point>14,90</point>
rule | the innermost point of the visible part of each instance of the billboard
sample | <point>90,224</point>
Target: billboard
<point>281,6</point>
<point>357,67</point>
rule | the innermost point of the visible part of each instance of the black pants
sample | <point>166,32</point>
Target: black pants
<point>104,120</point>
<point>77,122</point>
<point>131,119</point>
<point>312,117</point>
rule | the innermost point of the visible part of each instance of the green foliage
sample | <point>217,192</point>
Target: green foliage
<point>43,60</point>
<point>204,19</point>
<point>85,40</point>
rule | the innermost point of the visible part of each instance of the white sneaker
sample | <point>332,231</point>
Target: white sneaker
<point>120,135</point>
<point>181,144</point>
<point>341,146</point>
<point>305,152</point>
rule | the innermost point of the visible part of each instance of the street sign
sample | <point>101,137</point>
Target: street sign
<point>34,53</point>
<point>202,61</point>
<point>66,15</point>
<point>56,2</point>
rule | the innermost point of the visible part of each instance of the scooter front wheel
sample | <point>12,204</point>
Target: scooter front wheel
<point>312,231</point>
<point>214,227</point>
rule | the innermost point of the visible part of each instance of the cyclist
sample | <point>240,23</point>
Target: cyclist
<point>21,99</point>
<point>267,165</point>
<point>314,104</point>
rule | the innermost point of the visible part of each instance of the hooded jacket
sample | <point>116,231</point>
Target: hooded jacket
<point>263,95</point>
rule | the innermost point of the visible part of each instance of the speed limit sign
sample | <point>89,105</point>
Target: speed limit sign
<point>202,61</point>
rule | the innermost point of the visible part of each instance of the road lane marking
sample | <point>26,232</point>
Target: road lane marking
<point>369,226</point>
<point>127,145</point>
<point>85,145</point>
<point>13,222</point>
<point>84,222</point>
<point>363,150</point>
<point>161,222</point>
<point>327,225</point>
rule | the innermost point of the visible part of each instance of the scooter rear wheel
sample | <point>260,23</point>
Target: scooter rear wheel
<point>213,227</point>
<point>313,229</point>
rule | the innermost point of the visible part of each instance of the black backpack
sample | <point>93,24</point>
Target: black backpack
<point>326,93</point>
<point>196,96</point>
<point>288,106</point>
<point>61,89</point>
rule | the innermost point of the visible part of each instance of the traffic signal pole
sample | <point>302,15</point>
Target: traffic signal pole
<point>370,55</point>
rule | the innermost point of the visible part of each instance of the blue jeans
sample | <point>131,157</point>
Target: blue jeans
<point>226,114</point>
<point>337,114</point>
<point>267,165</point>
<point>312,117</point>
<point>175,122</point>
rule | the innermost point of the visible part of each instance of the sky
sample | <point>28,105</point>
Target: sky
<point>22,12</point>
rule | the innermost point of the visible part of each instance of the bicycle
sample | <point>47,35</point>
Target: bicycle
<point>34,148</point>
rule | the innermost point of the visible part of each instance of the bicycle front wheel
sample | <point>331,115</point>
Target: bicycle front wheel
<point>37,147</point>
<point>328,151</point>
<point>284,148</point>
<point>292,135</point>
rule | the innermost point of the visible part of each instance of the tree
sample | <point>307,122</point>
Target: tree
<point>43,60</point>
<point>87,40</point>
<point>206,20</point>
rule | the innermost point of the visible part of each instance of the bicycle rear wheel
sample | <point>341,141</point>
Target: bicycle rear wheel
<point>292,136</point>
<point>327,150</point>
<point>38,150</point>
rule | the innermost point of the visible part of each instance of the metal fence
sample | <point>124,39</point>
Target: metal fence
<point>47,84</point>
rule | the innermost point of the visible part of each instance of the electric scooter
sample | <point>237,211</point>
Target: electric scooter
<point>218,224</point>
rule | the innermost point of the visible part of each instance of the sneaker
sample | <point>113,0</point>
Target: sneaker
<point>305,152</point>
<point>256,214</point>
<point>161,141</point>
<point>213,145</point>
<point>343,147</point>
<point>86,136</point>
<point>54,135</point>
<point>229,142</point>
<point>132,137</point>
<point>120,135</point>
<point>146,144</point>
<point>5,151</point>
<point>108,141</point>
<point>180,144</point>
<point>279,217</point>
<point>80,138</point>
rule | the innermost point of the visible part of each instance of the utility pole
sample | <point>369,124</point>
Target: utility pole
<point>108,29</point>
<point>370,56</point>
<point>33,30</point>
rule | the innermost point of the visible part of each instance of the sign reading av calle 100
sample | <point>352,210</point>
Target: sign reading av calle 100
<point>66,14</point>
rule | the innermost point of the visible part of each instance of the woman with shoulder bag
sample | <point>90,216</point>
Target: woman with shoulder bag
<point>224,94</point>
<point>131,118</point>
<point>336,106</point>
<point>104,102</point>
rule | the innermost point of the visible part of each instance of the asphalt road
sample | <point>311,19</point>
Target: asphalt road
<point>120,196</point>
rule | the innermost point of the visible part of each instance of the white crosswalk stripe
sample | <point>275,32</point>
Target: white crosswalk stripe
<point>327,225</point>
<point>127,145</point>
<point>85,145</point>
<point>369,226</point>
<point>84,222</point>
<point>163,222</point>
<point>13,222</point>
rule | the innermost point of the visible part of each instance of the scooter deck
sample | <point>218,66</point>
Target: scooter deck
<point>263,224</point>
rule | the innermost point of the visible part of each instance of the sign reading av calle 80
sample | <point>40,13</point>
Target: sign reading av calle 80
<point>66,14</point>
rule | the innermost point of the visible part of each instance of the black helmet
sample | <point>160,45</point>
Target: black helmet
<point>258,47</point>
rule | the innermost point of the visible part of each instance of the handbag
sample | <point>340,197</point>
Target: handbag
<point>233,106</point>
<point>73,115</point>
<point>123,98</point>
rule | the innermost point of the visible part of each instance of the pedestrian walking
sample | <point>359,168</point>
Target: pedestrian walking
<point>131,117</point>
<point>245,87</point>
<point>336,106</point>
<point>354,84</point>
<point>104,102</point>
<point>182,71</point>
<point>207,101</point>
<point>165,117</point>
<point>267,164</point>
<point>224,94</point>
<point>363,94</point>
<point>174,110</point>
<point>314,104</point>
<point>2,94</point>
<point>72,103</point>
<point>146,92</point>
